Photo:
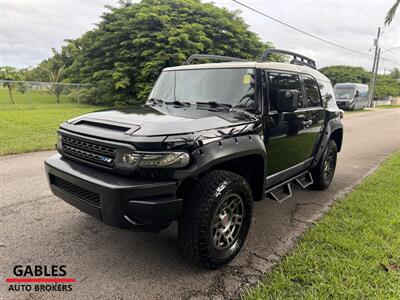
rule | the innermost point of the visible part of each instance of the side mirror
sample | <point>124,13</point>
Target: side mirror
<point>287,100</point>
<point>357,94</point>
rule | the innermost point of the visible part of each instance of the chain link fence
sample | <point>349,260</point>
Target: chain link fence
<point>14,93</point>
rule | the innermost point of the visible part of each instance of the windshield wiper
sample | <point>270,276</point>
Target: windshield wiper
<point>247,111</point>
<point>155,101</point>
<point>178,103</point>
<point>213,104</point>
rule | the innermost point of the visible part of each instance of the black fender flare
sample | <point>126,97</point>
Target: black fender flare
<point>223,150</point>
<point>333,128</point>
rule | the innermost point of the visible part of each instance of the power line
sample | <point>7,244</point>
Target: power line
<point>300,30</point>
<point>342,53</point>
<point>315,16</point>
<point>391,49</point>
<point>389,60</point>
<point>352,16</point>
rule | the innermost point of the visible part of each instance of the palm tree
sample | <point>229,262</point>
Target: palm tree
<point>56,75</point>
<point>391,12</point>
<point>9,74</point>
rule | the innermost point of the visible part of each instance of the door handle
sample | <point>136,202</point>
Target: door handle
<point>307,123</point>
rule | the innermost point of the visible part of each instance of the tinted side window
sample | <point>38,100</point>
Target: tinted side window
<point>328,96</point>
<point>278,81</point>
<point>312,91</point>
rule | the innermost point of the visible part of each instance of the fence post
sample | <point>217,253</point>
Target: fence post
<point>78,92</point>
<point>30,96</point>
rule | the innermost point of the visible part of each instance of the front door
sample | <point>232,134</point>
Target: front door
<point>290,137</point>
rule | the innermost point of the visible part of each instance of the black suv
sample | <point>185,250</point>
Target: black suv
<point>211,139</point>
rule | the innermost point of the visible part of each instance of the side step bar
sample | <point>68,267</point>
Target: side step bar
<point>283,191</point>
<point>304,180</point>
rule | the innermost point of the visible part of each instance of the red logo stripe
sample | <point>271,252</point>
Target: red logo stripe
<point>37,279</point>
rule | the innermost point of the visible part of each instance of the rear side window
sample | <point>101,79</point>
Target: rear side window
<point>278,81</point>
<point>312,91</point>
<point>328,96</point>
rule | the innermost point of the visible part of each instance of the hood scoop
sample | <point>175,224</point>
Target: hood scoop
<point>106,125</point>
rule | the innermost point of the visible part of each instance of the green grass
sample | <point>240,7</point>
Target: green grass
<point>352,253</point>
<point>388,106</point>
<point>31,123</point>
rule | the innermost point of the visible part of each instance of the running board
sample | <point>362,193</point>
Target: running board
<point>280,193</point>
<point>304,180</point>
<point>283,191</point>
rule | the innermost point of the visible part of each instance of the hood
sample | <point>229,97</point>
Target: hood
<point>155,121</point>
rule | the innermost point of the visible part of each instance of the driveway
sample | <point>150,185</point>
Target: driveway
<point>38,228</point>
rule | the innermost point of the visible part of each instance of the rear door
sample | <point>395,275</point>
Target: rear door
<point>314,108</point>
<point>290,137</point>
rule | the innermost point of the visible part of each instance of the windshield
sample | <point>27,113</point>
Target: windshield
<point>234,87</point>
<point>344,93</point>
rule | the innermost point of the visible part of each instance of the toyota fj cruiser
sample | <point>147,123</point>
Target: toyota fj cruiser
<point>211,139</point>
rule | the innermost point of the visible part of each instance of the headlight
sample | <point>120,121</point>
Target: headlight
<point>131,159</point>
<point>164,160</point>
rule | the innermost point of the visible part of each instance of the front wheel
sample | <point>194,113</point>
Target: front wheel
<point>325,169</point>
<point>216,219</point>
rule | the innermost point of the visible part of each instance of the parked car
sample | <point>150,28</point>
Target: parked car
<point>211,139</point>
<point>351,96</point>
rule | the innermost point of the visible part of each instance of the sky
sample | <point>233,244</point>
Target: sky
<point>29,29</point>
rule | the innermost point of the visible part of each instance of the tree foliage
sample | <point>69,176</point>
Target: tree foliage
<point>391,13</point>
<point>387,85</point>
<point>9,73</point>
<point>132,43</point>
<point>340,74</point>
<point>56,76</point>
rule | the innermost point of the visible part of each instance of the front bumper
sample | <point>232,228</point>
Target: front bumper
<point>116,200</point>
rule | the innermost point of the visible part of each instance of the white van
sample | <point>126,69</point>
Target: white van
<point>350,96</point>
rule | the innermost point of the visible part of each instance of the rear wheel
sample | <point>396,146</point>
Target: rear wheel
<point>323,173</point>
<point>216,219</point>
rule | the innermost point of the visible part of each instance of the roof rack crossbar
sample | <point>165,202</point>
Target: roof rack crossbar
<point>298,59</point>
<point>210,56</point>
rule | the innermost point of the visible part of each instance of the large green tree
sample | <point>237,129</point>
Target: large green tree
<point>132,43</point>
<point>339,74</point>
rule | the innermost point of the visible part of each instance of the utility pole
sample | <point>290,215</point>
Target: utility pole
<point>375,74</point>
<point>372,81</point>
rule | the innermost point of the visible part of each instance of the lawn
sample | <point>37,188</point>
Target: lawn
<point>352,253</point>
<point>31,123</point>
<point>388,106</point>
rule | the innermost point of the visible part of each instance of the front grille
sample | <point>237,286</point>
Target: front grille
<point>77,191</point>
<point>88,151</point>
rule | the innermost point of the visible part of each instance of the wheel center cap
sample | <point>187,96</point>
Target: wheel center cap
<point>225,220</point>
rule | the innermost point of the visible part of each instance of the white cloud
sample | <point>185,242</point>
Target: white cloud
<point>29,29</point>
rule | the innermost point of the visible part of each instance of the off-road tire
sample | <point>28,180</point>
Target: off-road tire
<point>320,177</point>
<point>200,207</point>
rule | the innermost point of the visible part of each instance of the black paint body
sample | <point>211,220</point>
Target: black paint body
<point>264,146</point>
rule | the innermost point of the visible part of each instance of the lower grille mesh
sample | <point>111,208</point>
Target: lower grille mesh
<point>77,191</point>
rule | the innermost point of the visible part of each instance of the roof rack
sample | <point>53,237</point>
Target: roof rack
<point>298,59</point>
<point>210,56</point>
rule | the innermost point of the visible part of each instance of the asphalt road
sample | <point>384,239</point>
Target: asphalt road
<point>38,228</point>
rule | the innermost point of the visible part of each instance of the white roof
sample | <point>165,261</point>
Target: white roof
<point>251,64</point>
